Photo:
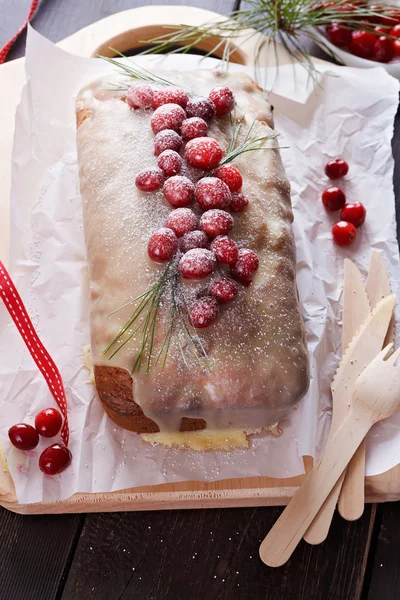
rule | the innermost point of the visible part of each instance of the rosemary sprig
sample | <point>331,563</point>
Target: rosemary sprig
<point>136,72</point>
<point>145,319</point>
<point>250,143</point>
<point>288,22</point>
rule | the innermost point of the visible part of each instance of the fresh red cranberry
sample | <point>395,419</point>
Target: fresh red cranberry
<point>181,221</point>
<point>179,191</point>
<point>212,192</point>
<point>378,30</point>
<point>193,239</point>
<point>392,17</point>
<point>396,47</point>
<point>197,263</point>
<point>224,290</point>
<point>216,222</point>
<point>203,153</point>
<point>336,168</point>
<point>225,250</point>
<point>200,107</point>
<point>169,162</point>
<point>333,198</point>
<point>167,116</point>
<point>246,266</point>
<point>344,233</point>
<point>354,213</point>
<point>362,44</point>
<point>55,459</point>
<point>203,312</point>
<point>170,95</point>
<point>162,245</point>
<point>338,35</point>
<point>140,95</point>
<point>167,140</point>
<point>375,8</point>
<point>395,31</point>
<point>383,50</point>
<point>23,436</point>
<point>149,180</point>
<point>48,422</point>
<point>238,202</point>
<point>231,176</point>
<point>194,128</point>
<point>223,100</point>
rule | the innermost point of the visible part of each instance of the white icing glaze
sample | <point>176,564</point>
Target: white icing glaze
<point>256,349</point>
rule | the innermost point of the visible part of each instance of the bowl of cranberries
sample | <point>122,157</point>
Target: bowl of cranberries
<point>375,41</point>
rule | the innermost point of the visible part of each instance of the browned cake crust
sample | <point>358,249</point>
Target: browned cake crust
<point>114,386</point>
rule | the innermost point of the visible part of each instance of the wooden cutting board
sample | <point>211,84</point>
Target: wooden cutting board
<point>124,31</point>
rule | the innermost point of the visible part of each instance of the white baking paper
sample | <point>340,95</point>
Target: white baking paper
<point>350,114</point>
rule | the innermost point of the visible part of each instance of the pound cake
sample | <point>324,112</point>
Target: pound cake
<point>194,314</point>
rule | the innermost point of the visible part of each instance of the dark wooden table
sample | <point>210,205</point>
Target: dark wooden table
<point>182,555</point>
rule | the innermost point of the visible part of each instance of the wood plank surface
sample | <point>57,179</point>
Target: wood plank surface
<point>212,554</point>
<point>383,576</point>
<point>35,553</point>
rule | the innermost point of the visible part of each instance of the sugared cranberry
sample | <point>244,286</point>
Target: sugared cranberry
<point>344,233</point>
<point>362,44</point>
<point>231,176</point>
<point>162,245</point>
<point>179,191</point>
<point>203,312</point>
<point>353,213</point>
<point>383,50</point>
<point>238,202</point>
<point>336,168</point>
<point>225,250</point>
<point>203,153</point>
<point>333,198</point>
<point>167,139</point>
<point>223,100</point>
<point>193,239</point>
<point>224,290</point>
<point>216,222</point>
<point>23,436</point>
<point>246,266</point>
<point>55,459</point>
<point>170,95</point>
<point>212,192</point>
<point>194,128</point>
<point>338,35</point>
<point>197,263</point>
<point>181,221</point>
<point>167,116</point>
<point>169,162</point>
<point>149,180</point>
<point>140,95</point>
<point>48,422</point>
<point>200,107</point>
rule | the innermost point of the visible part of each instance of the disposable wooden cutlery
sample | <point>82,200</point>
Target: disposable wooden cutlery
<point>376,397</point>
<point>363,338</point>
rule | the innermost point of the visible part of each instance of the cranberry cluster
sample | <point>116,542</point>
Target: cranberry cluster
<point>55,458</point>
<point>377,38</point>
<point>199,244</point>
<point>352,215</point>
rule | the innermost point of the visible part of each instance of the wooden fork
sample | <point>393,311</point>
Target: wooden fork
<point>376,397</point>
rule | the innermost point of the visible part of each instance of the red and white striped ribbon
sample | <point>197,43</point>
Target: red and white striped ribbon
<point>42,358</point>
<point>6,49</point>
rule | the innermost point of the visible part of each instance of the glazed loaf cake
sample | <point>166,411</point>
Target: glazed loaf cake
<point>250,367</point>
